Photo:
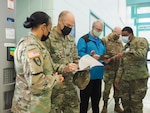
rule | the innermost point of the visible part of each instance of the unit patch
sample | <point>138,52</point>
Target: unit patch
<point>37,60</point>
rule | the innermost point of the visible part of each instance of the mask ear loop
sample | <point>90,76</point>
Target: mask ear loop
<point>43,29</point>
<point>129,38</point>
<point>46,28</point>
<point>62,22</point>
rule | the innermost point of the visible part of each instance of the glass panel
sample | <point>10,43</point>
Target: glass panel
<point>107,30</point>
<point>142,10</point>
<point>144,20</point>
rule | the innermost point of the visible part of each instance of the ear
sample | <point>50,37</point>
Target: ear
<point>59,21</point>
<point>93,27</point>
<point>43,26</point>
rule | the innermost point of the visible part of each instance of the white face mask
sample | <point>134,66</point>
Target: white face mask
<point>97,34</point>
<point>125,39</point>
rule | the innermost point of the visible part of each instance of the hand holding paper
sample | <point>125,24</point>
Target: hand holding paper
<point>88,61</point>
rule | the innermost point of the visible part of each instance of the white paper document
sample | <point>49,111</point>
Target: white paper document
<point>88,61</point>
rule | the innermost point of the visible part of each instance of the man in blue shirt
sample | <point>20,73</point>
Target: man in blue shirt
<point>91,44</point>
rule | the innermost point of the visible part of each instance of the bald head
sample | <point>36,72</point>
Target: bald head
<point>66,21</point>
<point>116,33</point>
<point>117,29</point>
<point>67,17</point>
<point>64,13</point>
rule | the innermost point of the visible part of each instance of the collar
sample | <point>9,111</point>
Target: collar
<point>132,39</point>
<point>93,38</point>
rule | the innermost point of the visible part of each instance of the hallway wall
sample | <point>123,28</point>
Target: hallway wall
<point>111,12</point>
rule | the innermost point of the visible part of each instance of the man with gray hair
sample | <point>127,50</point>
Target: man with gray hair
<point>91,44</point>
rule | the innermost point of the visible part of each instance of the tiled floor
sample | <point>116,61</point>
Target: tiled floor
<point>146,102</point>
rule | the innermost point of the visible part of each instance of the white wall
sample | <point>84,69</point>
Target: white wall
<point>24,8</point>
<point>107,10</point>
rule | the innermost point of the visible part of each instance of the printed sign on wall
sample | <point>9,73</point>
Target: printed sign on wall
<point>10,33</point>
<point>10,4</point>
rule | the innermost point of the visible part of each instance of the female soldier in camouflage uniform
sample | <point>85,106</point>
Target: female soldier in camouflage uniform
<point>34,80</point>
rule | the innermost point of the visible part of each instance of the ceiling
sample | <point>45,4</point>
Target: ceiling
<point>140,12</point>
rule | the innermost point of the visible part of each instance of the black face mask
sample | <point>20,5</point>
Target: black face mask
<point>66,30</point>
<point>45,37</point>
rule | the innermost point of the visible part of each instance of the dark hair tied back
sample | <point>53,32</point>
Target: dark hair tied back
<point>36,19</point>
<point>29,22</point>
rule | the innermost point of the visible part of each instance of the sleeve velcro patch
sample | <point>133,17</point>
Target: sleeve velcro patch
<point>33,54</point>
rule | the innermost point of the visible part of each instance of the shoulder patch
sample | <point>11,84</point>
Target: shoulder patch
<point>33,54</point>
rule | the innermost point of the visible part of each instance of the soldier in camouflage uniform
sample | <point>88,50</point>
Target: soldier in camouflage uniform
<point>132,75</point>
<point>113,46</point>
<point>62,48</point>
<point>34,80</point>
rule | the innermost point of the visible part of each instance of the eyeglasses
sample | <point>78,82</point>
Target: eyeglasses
<point>98,29</point>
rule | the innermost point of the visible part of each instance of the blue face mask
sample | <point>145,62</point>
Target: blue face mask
<point>125,39</point>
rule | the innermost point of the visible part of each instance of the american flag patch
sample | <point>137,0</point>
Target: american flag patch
<point>33,54</point>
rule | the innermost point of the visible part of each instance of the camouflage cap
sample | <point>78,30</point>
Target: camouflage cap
<point>81,79</point>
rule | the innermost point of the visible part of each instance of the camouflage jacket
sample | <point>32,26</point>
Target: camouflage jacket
<point>114,47</point>
<point>34,80</point>
<point>134,62</point>
<point>62,50</point>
